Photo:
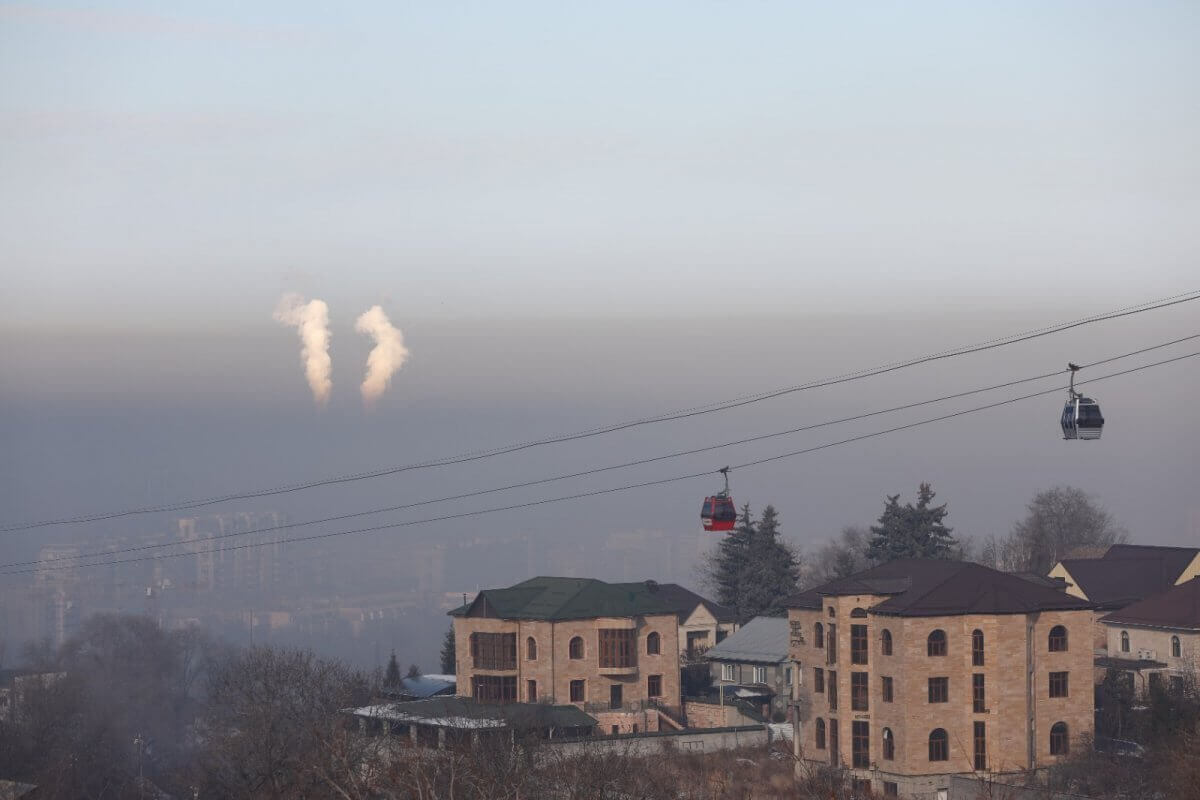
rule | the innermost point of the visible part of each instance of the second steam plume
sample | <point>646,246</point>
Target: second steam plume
<point>311,321</point>
<point>386,357</point>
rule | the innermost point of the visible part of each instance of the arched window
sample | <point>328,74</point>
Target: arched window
<point>531,649</point>
<point>1060,743</point>
<point>937,643</point>
<point>820,727</point>
<point>977,647</point>
<point>939,745</point>
<point>1175,649</point>
<point>1058,639</point>
<point>885,639</point>
<point>575,648</point>
<point>653,644</point>
<point>1124,641</point>
<point>819,635</point>
<point>831,612</point>
<point>859,613</point>
<point>889,745</point>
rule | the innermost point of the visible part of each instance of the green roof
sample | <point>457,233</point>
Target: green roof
<point>549,598</point>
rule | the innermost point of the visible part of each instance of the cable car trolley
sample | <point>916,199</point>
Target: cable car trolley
<point>1081,418</point>
<point>718,512</point>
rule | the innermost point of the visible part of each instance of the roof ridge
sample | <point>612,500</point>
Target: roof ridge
<point>953,574</point>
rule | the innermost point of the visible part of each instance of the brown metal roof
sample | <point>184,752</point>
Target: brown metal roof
<point>926,587</point>
<point>1178,607</point>
<point>1129,572</point>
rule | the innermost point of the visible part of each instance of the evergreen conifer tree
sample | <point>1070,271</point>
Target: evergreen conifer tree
<point>392,676</point>
<point>754,572</point>
<point>908,531</point>
<point>449,659</point>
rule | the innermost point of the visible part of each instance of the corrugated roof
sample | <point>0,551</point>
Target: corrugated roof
<point>1178,607</point>
<point>928,587</point>
<point>762,640</point>
<point>551,598</point>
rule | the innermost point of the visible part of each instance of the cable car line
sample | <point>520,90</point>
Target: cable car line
<point>611,490</point>
<point>623,465</point>
<point>737,402</point>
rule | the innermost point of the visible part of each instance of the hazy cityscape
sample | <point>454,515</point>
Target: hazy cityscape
<point>667,401</point>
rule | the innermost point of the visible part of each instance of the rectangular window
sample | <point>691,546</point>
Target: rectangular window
<point>980,746</point>
<point>891,789</point>
<point>787,675</point>
<point>494,688</point>
<point>977,649</point>
<point>1058,684</point>
<point>833,743</point>
<point>578,695</point>
<point>654,686</point>
<point>887,689</point>
<point>860,744</point>
<point>859,691</point>
<point>615,699</point>
<point>760,674</point>
<point>831,648</point>
<point>531,691</point>
<point>618,647</point>
<point>728,672</point>
<point>858,644</point>
<point>832,690</point>
<point>978,697</point>
<point>494,650</point>
<point>939,690</point>
<point>818,680</point>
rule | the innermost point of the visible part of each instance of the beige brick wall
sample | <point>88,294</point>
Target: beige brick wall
<point>1012,691</point>
<point>553,669</point>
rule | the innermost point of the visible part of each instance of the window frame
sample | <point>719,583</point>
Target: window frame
<point>888,748</point>
<point>819,635</point>
<point>654,686</point>
<point>832,693</point>
<point>978,694</point>
<point>819,733</point>
<point>939,739</point>
<point>818,680</point>
<point>1060,739</point>
<point>760,675</point>
<point>729,672</point>
<point>935,644</point>
<point>1176,647</point>
<point>977,648</point>
<point>885,642</point>
<point>860,744</point>
<point>1057,640</point>
<point>653,644</point>
<point>581,684</point>
<point>942,685</point>
<point>859,644</point>
<point>1124,641</point>
<point>1059,684</point>
<point>576,653</point>
<point>887,689</point>
<point>617,648</point>
<point>980,736</point>
<point>531,648</point>
<point>860,691</point>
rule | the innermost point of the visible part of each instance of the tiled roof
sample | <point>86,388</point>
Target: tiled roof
<point>1178,607</point>
<point>762,640</point>
<point>927,587</point>
<point>550,598</point>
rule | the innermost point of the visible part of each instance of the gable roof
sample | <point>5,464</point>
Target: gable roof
<point>1177,607</point>
<point>551,598</point>
<point>1127,573</point>
<point>928,587</point>
<point>763,640</point>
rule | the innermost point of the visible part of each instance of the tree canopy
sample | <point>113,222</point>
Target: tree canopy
<point>1061,522</point>
<point>753,571</point>
<point>912,531</point>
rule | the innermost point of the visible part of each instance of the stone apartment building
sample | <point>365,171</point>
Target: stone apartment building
<point>1157,640</point>
<point>612,649</point>
<point>920,669</point>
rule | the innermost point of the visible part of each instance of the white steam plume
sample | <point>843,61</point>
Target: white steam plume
<point>386,357</point>
<point>311,321</point>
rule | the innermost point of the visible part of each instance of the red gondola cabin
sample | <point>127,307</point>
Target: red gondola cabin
<point>718,513</point>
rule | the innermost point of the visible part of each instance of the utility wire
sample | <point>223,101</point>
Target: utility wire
<point>612,490</point>
<point>624,465</point>
<point>736,402</point>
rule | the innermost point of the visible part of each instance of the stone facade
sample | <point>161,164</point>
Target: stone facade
<point>551,671</point>
<point>1017,715</point>
<point>700,631</point>
<point>1155,644</point>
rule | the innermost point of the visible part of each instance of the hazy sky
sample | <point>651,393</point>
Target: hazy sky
<point>186,163</point>
<point>580,213</point>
